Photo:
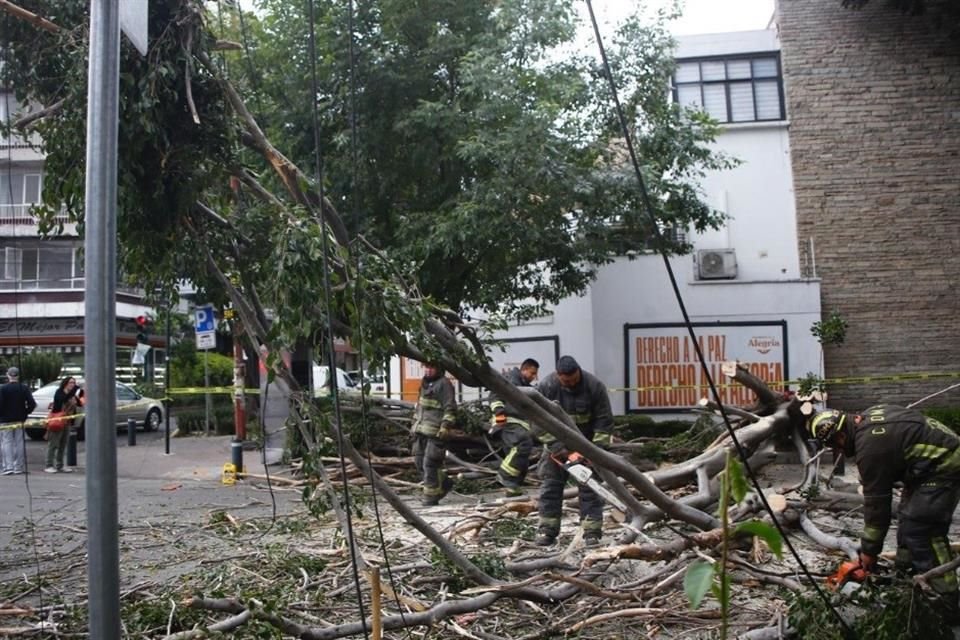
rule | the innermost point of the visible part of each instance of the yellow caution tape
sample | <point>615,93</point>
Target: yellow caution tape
<point>900,377</point>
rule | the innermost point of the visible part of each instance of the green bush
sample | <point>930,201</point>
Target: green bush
<point>186,367</point>
<point>193,419</point>
<point>44,366</point>
<point>638,425</point>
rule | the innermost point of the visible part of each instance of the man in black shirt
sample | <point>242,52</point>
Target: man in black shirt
<point>16,403</point>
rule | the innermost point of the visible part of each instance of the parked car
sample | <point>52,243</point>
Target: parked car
<point>146,412</point>
<point>376,381</point>
<point>321,380</point>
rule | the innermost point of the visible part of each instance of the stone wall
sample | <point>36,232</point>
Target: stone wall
<point>873,100</point>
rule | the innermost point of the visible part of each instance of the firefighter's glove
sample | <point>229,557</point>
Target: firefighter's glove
<point>444,432</point>
<point>560,455</point>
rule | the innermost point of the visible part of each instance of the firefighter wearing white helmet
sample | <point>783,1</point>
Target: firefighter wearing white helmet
<point>893,444</point>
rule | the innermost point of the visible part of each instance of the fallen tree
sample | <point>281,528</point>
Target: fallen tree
<point>277,249</point>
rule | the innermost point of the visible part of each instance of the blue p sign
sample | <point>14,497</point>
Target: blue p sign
<point>204,320</point>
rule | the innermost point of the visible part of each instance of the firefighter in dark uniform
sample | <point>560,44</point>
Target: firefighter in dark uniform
<point>433,416</point>
<point>584,397</point>
<point>892,444</point>
<point>514,430</point>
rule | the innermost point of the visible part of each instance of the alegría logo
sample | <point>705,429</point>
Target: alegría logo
<point>763,344</point>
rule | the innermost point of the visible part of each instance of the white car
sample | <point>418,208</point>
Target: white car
<point>321,380</point>
<point>377,382</point>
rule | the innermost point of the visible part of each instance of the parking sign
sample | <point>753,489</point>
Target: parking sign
<point>204,320</point>
<point>205,325</point>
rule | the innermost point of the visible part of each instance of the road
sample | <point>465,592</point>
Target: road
<point>160,498</point>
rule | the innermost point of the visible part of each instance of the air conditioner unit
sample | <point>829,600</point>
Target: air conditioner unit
<point>716,264</point>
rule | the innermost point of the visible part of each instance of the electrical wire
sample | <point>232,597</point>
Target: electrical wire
<point>334,391</point>
<point>358,305</point>
<point>648,208</point>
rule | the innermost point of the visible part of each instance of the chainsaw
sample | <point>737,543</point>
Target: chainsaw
<point>576,465</point>
<point>850,571</point>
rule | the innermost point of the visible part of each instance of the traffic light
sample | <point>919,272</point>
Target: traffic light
<point>143,330</point>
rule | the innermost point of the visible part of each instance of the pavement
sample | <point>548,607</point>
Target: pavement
<point>152,487</point>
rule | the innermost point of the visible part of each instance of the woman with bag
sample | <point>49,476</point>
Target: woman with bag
<point>58,424</point>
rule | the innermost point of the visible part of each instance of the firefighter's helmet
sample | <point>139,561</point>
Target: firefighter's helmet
<point>824,425</point>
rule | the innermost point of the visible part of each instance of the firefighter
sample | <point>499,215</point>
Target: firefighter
<point>433,417</point>
<point>514,430</point>
<point>584,397</point>
<point>892,444</point>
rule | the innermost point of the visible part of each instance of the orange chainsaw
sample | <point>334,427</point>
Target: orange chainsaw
<point>849,571</point>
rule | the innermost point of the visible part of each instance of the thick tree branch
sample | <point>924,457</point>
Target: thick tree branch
<point>32,18</point>
<point>29,118</point>
<point>291,175</point>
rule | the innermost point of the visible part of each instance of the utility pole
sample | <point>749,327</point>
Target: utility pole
<point>100,256</point>
<point>100,304</point>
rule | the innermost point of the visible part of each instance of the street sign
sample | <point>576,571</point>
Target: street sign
<point>133,22</point>
<point>207,340</point>
<point>204,320</point>
<point>205,325</point>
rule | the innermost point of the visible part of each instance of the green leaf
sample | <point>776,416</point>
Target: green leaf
<point>697,581</point>
<point>738,481</point>
<point>766,532</point>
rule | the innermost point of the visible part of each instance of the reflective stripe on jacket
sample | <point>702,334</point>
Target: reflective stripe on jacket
<point>436,405</point>
<point>894,444</point>
<point>587,403</point>
<point>499,408</point>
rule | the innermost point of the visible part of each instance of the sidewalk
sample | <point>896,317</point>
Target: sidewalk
<point>191,457</point>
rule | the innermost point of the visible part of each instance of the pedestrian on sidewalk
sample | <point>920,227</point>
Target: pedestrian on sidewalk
<point>16,403</point>
<point>65,402</point>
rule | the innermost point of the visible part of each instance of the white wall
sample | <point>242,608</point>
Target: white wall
<point>757,196</point>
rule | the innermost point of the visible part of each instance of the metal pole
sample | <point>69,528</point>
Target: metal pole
<point>100,256</point>
<point>166,390</point>
<point>206,389</point>
<point>239,399</point>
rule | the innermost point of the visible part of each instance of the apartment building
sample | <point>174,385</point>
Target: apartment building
<point>41,279</point>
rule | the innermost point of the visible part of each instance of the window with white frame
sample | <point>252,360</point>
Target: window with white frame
<point>743,88</point>
<point>18,192</point>
<point>43,266</point>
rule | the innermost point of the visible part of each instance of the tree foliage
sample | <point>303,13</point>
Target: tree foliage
<point>470,144</point>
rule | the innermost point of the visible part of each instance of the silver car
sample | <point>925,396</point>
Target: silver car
<point>145,411</point>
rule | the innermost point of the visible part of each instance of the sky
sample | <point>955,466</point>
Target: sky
<point>699,16</point>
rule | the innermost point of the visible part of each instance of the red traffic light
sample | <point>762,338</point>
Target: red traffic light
<point>142,321</point>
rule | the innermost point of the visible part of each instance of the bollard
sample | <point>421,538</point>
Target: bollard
<point>236,455</point>
<point>131,432</point>
<point>72,448</point>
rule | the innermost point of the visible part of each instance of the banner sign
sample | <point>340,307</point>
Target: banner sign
<point>664,374</point>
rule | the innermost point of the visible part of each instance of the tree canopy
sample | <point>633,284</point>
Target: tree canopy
<point>470,142</point>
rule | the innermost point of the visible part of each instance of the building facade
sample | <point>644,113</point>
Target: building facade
<point>874,103</point>
<point>746,286</point>
<point>41,279</point>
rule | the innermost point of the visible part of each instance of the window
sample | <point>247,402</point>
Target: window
<point>737,89</point>
<point>18,191</point>
<point>43,266</point>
